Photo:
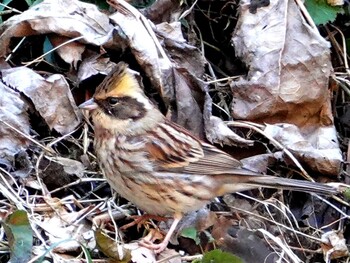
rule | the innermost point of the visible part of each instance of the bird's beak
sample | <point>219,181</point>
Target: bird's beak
<point>88,105</point>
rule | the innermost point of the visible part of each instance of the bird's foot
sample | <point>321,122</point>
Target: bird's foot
<point>157,248</point>
<point>139,220</point>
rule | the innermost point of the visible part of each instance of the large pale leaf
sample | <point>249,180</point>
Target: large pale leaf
<point>51,97</point>
<point>287,82</point>
<point>13,111</point>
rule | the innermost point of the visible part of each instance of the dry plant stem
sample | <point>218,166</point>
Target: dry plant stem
<point>223,79</point>
<point>281,244</point>
<point>282,205</point>
<point>43,188</point>
<point>81,180</point>
<point>344,50</point>
<point>11,8</point>
<point>10,194</point>
<point>188,11</point>
<point>276,223</point>
<point>50,51</point>
<point>188,258</point>
<point>168,259</point>
<point>49,150</point>
<point>52,143</point>
<point>15,49</point>
<point>306,14</point>
<point>105,217</point>
<point>345,88</point>
<point>338,200</point>
<point>226,108</point>
<point>252,126</point>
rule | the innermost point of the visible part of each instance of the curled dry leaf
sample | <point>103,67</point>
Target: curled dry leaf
<point>108,246</point>
<point>13,111</point>
<point>188,112</point>
<point>60,226</point>
<point>68,18</point>
<point>71,52</point>
<point>140,38</point>
<point>287,80</point>
<point>334,246</point>
<point>51,97</point>
<point>95,64</point>
<point>311,147</point>
<point>182,54</point>
<point>216,130</point>
<point>166,10</point>
<point>70,166</point>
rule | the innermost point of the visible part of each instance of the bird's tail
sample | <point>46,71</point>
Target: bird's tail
<point>293,184</point>
<point>248,181</point>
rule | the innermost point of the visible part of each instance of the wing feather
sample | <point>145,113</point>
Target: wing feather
<point>173,148</point>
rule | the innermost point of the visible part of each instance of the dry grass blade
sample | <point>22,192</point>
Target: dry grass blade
<point>45,148</point>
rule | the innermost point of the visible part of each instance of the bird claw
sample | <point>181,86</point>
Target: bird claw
<point>157,248</point>
<point>140,220</point>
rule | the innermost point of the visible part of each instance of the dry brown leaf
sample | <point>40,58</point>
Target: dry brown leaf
<point>70,166</point>
<point>289,68</point>
<point>165,10</point>
<point>181,53</point>
<point>288,77</point>
<point>13,111</point>
<point>334,246</point>
<point>68,18</point>
<point>95,64</point>
<point>71,52</point>
<point>188,113</point>
<point>51,97</point>
<point>318,149</point>
<point>140,38</point>
<point>258,163</point>
<point>59,226</point>
<point>216,131</point>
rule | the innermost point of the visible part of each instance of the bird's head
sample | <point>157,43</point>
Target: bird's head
<point>119,103</point>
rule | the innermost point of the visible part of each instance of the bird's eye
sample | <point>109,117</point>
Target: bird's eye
<point>112,100</point>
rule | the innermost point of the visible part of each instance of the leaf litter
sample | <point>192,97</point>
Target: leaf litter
<point>268,71</point>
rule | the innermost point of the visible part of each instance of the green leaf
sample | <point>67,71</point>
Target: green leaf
<point>37,2</point>
<point>218,256</point>
<point>50,58</point>
<point>109,247</point>
<point>191,233</point>
<point>29,2</point>
<point>321,12</point>
<point>347,193</point>
<point>20,236</point>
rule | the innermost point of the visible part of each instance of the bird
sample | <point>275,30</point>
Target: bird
<point>159,165</point>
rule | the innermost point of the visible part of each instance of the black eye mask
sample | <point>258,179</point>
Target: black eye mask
<point>122,108</point>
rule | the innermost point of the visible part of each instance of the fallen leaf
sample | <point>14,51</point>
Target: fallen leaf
<point>20,236</point>
<point>13,111</point>
<point>51,97</point>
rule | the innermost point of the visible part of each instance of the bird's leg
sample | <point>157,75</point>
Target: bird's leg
<point>160,247</point>
<point>138,220</point>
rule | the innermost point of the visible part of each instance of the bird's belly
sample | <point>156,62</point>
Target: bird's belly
<point>158,196</point>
